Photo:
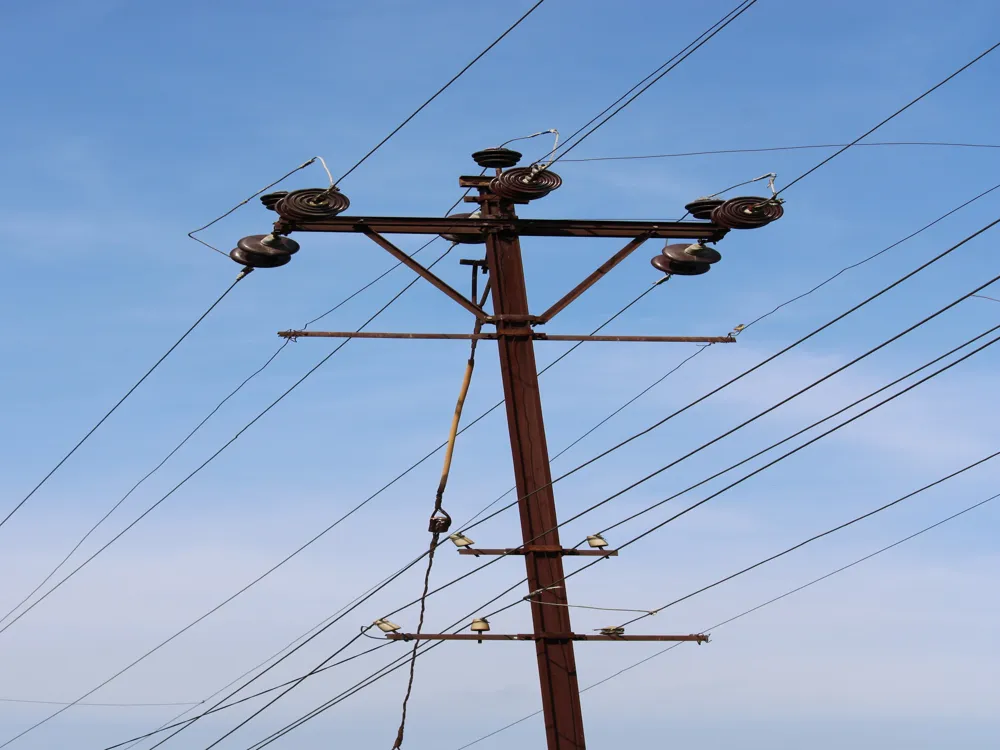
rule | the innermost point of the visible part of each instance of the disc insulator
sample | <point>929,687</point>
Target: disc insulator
<point>747,213</point>
<point>698,253</point>
<point>472,237</point>
<point>497,158</point>
<point>268,244</point>
<point>679,268</point>
<point>521,184</point>
<point>270,200</point>
<point>312,204</point>
<point>701,208</point>
<point>254,260</point>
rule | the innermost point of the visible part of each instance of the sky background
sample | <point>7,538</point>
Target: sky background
<point>130,124</point>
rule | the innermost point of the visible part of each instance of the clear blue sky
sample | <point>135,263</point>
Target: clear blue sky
<point>129,124</point>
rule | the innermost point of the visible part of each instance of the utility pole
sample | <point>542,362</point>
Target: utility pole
<point>497,225</point>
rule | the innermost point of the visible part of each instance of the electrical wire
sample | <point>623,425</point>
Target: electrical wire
<point>895,114</point>
<point>780,148</point>
<point>760,364</point>
<point>242,203</point>
<point>440,91</point>
<point>983,296</point>
<point>870,257</point>
<point>661,71</point>
<point>887,288</point>
<point>101,705</point>
<point>646,533</point>
<point>760,606</point>
<point>120,401</point>
<point>821,535</point>
<point>172,491</point>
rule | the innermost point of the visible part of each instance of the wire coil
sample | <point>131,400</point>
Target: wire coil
<point>522,184</point>
<point>270,200</point>
<point>701,208</point>
<point>748,212</point>
<point>312,204</point>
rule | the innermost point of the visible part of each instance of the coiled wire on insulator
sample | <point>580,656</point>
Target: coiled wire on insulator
<point>312,204</point>
<point>749,212</point>
<point>524,184</point>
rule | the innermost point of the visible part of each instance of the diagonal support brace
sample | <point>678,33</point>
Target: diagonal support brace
<point>426,273</point>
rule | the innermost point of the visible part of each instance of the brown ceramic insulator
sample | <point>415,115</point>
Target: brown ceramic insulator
<point>497,158</point>
<point>701,208</point>
<point>747,213</point>
<point>312,204</point>
<point>678,268</point>
<point>521,184</point>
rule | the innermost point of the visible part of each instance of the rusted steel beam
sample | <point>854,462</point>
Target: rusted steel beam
<point>540,549</point>
<point>681,230</point>
<point>588,282</point>
<point>694,637</point>
<point>527,334</point>
<point>426,273</point>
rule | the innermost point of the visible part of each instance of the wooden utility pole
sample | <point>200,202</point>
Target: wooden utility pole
<point>498,227</point>
<point>536,504</point>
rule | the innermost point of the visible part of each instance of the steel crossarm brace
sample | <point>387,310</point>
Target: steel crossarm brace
<point>682,230</point>
<point>426,273</point>
<point>588,282</point>
<point>492,336</point>
<point>694,637</point>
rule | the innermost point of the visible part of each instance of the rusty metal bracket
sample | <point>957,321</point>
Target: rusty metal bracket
<point>694,637</point>
<point>588,282</point>
<point>507,333</point>
<point>426,273</point>
<point>540,549</point>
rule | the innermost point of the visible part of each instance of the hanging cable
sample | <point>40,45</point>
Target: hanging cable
<point>121,401</point>
<point>780,148</point>
<point>760,606</point>
<point>895,114</point>
<point>440,91</point>
<point>440,521</point>
<point>171,492</point>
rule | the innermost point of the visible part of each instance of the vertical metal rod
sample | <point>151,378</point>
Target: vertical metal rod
<point>556,662</point>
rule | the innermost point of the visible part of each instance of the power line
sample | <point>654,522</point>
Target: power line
<point>898,112</point>
<point>821,535</point>
<point>750,611</point>
<point>357,602</point>
<point>174,489</point>
<point>102,705</point>
<point>983,296</point>
<point>871,257</point>
<point>441,90</point>
<point>655,76</point>
<point>658,526</point>
<point>120,401</point>
<point>781,148</point>
<point>771,358</point>
<point>484,565</point>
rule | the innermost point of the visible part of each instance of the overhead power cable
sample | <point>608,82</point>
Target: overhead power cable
<point>760,364</point>
<point>640,88</point>
<point>939,256</point>
<point>395,575</point>
<point>171,492</point>
<point>728,487</point>
<point>722,151</point>
<point>120,401</point>
<point>821,535</point>
<point>440,91</point>
<point>743,614</point>
<point>658,526</point>
<point>97,705</point>
<point>895,114</point>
